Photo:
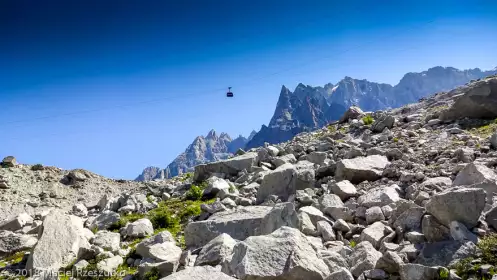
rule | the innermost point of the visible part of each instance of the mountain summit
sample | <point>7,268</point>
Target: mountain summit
<point>212,147</point>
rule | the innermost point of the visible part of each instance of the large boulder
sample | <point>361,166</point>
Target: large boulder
<point>144,247</point>
<point>215,185</point>
<point>284,254</point>
<point>241,223</point>
<point>364,257</point>
<point>379,197</point>
<point>199,273</point>
<point>280,182</point>
<point>61,238</point>
<point>333,260</point>
<point>361,169</point>
<point>407,216</point>
<point>352,113</point>
<point>478,176</point>
<point>491,217</point>
<point>107,240</point>
<point>11,242</point>
<point>410,271</point>
<point>344,189</point>
<point>445,253</point>
<point>383,121</point>
<point>473,174</point>
<point>9,161</point>
<point>105,220</point>
<point>110,265</point>
<point>341,274</point>
<point>230,166</point>
<point>433,230</point>
<point>464,205</point>
<point>305,175</point>
<point>479,101</point>
<point>493,140</point>
<point>375,233</point>
<point>216,251</point>
<point>17,222</point>
<point>139,228</point>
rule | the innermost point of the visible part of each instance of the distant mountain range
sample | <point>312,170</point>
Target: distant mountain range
<point>203,149</point>
<point>308,108</point>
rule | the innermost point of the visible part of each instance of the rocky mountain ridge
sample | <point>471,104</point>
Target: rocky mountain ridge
<point>408,193</point>
<point>212,147</point>
<point>309,108</point>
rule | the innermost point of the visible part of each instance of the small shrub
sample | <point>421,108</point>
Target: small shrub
<point>190,210</point>
<point>332,128</point>
<point>149,199</point>
<point>488,247</point>
<point>195,193</point>
<point>94,230</point>
<point>161,218</point>
<point>443,273</point>
<point>368,120</point>
<point>153,274</point>
<point>37,167</point>
<point>395,139</point>
<point>124,220</point>
<point>352,244</point>
<point>232,189</point>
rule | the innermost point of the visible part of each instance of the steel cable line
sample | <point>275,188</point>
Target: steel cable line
<point>205,93</point>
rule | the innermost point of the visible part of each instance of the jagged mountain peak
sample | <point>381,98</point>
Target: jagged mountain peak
<point>149,173</point>
<point>304,108</point>
<point>252,135</point>
<point>211,135</point>
<point>212,147</point>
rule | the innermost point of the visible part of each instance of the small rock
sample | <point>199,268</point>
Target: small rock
<point>344,189</point>
<point>139,228</point>
<point>374,214</point>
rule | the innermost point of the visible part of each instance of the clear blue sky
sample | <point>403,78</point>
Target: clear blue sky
<point>61,57</point>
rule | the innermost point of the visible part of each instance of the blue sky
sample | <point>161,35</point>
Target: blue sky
<point>168,62</point>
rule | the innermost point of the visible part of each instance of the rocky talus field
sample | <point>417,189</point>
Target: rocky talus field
<point>409,193</point>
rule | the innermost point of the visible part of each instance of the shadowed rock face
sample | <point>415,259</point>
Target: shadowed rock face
<point>479,102</point>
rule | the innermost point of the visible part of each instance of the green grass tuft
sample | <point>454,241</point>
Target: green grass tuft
<point>368,120</point>
<point>443,273</point>
<point>129,218</point>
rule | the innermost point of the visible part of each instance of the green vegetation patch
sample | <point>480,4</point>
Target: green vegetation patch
<point>471,266</point>
<point>12,259</point>
<point>127,218</point>
<point>332,128</point>
<point>186,176</point>
<point>368,120</point>
<point>153,274</point>
<point>486,130</point>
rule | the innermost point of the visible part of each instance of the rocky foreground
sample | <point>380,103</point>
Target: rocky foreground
<point>405,194</point>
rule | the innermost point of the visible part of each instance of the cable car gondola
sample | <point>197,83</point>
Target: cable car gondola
<point>229,93</point>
